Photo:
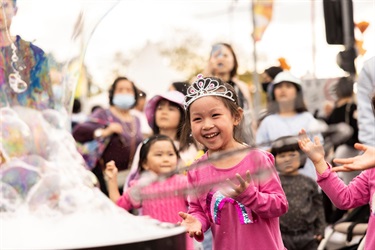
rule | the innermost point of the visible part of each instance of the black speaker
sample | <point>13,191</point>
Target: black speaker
<point>338,19</point>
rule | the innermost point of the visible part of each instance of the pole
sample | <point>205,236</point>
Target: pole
<point>256,101</point>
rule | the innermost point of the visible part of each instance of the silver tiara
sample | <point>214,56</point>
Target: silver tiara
<point>206,87</point>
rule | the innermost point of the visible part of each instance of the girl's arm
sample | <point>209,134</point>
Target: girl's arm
<point>342,196</point>
<point>125,201</point>
<point>111,176</point>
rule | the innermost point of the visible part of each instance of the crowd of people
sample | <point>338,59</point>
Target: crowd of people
<point>199,156</point>
<point>192,123</point>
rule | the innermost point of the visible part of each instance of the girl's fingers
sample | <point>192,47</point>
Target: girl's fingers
<point>343,160</point>
<point>360,146</point>
<point>342,169</point>
<point>248,176</point>
<point>182,215</point>
<point>240,179</point>
<point>317,140</point>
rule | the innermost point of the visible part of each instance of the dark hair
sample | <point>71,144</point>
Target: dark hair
<point>112,89</point>
<point>95,107</point>
<point>299,103</point>
<point>344,87</point>
<point>233,72</point>
<point>287,144</point>
<point>141,93</point>
<point>156,129</point>
<point>273,71</point>
<point>76,106</point>
<point>232,106</point>
<point>181,86</point>
<point>146,145</point>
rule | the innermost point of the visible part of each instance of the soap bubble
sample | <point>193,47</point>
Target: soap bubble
<point>16,136</point>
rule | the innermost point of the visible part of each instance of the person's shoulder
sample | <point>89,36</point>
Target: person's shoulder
<point>261,154</point>
<point>194,166</point>
<point>307,115</point>
<point>271,117</point>
<point>24,44</point>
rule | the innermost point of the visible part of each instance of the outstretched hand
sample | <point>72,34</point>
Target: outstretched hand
<point>314,150</point>
<point>193,225</point>
<point>234,190</point>
<point>360,162</point>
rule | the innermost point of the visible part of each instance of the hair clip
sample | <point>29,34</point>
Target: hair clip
<point>206,87</point>
<point>145,141</point>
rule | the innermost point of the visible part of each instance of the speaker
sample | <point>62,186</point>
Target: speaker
<point>338,19</point>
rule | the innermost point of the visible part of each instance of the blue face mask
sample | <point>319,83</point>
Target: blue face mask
<point>123,101</point>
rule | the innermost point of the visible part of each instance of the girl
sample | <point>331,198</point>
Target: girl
<point>359,192</point>
<point>158,155</point>
<point>165,115</point>
<point>242,213</point>
<point>287,114</point>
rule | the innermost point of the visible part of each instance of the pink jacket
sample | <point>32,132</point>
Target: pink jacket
<point>361,190</point>
<point>251,220</point>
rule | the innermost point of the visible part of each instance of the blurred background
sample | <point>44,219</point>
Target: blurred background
<point>157,42</point>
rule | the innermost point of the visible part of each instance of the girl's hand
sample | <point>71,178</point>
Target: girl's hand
<point>314,150</point>
<point>360,162</point>
<point>234,190</point>
<point>111,170</point>
<point>193,226</point>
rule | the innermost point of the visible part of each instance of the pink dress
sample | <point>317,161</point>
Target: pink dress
<point>163,203</point>
<point>251,220</point>
<point>360,191</point>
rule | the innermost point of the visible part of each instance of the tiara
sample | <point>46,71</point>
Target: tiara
<point>206,87</point>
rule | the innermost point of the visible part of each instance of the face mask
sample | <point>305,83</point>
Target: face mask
<point>123,101</point>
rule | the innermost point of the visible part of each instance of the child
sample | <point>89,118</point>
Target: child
<point>287,114</point>
<point>242,213</point>
<point>165,115</point>
<point>159,156</point>
<point>360,191</point>
<point>302,227</point>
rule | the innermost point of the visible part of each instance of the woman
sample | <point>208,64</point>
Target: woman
<point>118,123</point>
<point>223,64</point>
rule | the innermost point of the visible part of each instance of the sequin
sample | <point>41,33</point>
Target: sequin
<point>216,202</point>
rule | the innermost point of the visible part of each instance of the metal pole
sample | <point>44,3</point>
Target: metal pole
<point>256,101</point>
